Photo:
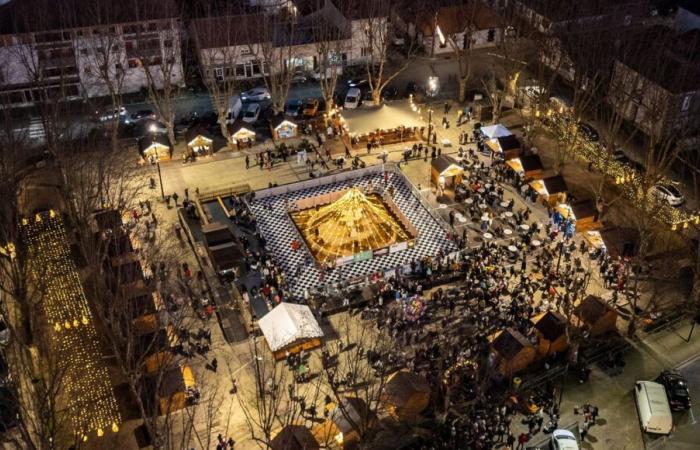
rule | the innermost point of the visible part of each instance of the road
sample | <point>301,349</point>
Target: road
<point>686,435</point>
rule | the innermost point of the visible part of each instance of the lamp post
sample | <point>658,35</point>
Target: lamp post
<point>153,130</point>
<point>432,88</point>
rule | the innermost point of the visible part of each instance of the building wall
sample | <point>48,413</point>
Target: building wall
<point>360,52</point>
<point>686,20</point>
<point>479,39</point>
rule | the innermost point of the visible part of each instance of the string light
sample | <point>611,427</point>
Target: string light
<point>87,385</point>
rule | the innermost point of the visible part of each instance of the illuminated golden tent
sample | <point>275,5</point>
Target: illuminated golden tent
<point>352,224</point>
<point>446,173</point>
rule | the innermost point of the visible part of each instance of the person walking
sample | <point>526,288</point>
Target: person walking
<point>247,162</point>
<point>175,197</point>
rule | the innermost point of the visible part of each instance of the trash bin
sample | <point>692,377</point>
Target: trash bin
<point>517,382</point>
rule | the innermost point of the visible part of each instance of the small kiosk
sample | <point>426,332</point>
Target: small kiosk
<point>175,390</point>
<point>282,127</point>
<point>341,427</point>
<point>200,145</point>
<point>508,146</point>
<point>290,327</point>
<point>241,134</point>
<point>446,174</point>
<point>495,131</point>
<point>294,437</point>
<point>596,315</point>
<point>552,190</point>
<point>406,394</point>
<point>529,167</point>
<point>513,350</point>
<point>551,333</point>
<point>583,212</point>
<point>617,241</point>
<point>156,147</point>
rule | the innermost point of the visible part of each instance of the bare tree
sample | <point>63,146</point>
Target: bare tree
<point>332,38</point>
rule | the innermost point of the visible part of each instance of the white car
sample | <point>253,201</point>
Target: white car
<point>298,77</point>
<point>564,440</point>
<point>111,114</point>
<point>4,333</point>
<point>256,95</point>
<point>397,40</point>
<point>251,114</point>
<point>669,194</point>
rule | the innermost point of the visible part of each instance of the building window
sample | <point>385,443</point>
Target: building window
<point>491,36</point>
<point>365,51</point>
<point>133,63</point>
<point>83,51</point>
<point>219,72</point>
<point>686,102</point>
<point>168,43</point>
<point>245,51</point>
<point>87,70</point>
<point>240,71</point>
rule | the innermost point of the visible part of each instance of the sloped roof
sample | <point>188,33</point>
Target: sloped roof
<point>509,343</point>
<point>531,162</point>
<point>508,142</point>
<point>443,162</point>
<point>402,385</point>
<point>354,411</point>
<point>288,323</point>
<point>584,208</point>
<point>455,19</point>
<point>555,184</point>
<point>592,309</point>
<point>552,325</point>
<point>294,437</point>
<point>495,131</point>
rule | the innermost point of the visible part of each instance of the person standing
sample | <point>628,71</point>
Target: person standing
<point>247,161</point>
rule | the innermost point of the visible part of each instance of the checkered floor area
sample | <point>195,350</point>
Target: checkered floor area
<point>279,231</point>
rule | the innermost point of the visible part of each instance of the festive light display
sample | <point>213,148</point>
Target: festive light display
<point>87,387</point>
<point>352,224</point>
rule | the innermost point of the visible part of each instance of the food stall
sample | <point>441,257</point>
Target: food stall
<point>156,147</point>
<point>616,241</point>
<point>551,333</point>
<point>529,167</point>
<point>290,328</point>
<point>200,145</point>
<point>177,387</point>
<point>495,131</point>
<point>552,190</point>
<point>508,146</point>
<point>241,133</point>
<point>446,174</point>
<point>282,127</point>
<point>513,350</point>
<point>406,394</point>
<point>294,437</point>
<point>596,315</point>
<point>583,212</point>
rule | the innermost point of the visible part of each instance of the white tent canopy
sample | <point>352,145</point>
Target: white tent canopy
<point>495,131</point>
<point>288,323</point>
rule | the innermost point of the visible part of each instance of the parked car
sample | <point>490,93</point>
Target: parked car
<point>588,132</point>
<point>298,77</point>
<point>652,407</point>
<point>668,193</point>
<point>676,389</point>
<point>352,98</point>
<point>318,75</point>
<point>111,114</point>
<point>4,332</point>
<point>564,440</point>
<point>358,82</point>
<point>310,107</point>
<point>142,115</point>
<point>618,154</point>
<point>256,95</point>
<point>390,93</point>
<point>397,40</point>
<point>294,108</point>
<point>252,113</point>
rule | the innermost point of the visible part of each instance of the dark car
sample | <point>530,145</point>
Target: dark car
<point>9,408</point>
<point>143,114</point>
<point>588,132</point>
<point>390,93</point>
<point>676,389</point>
<point>294,108</point>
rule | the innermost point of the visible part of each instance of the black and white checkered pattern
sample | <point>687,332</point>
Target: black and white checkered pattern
<point>279,231</point>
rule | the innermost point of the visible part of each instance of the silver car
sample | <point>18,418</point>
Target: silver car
<point>668,193</point>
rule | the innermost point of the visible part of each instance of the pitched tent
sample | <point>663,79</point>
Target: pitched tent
<point>446,173</point>
<point>551,331</point>
<point>282,127</point>
<point>596,315</point>
<point>514,351</point>
<point>290,327</point>
<point>496,131</point>
<point>241,132</point>
<point>529,167</point>
<point>406,394</point>
<point>294,437</point>
<point>157,147</point>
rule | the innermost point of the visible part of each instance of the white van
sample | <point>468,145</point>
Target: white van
<point>652,407</point>
<point>234,108</point>
<point>352,98</point>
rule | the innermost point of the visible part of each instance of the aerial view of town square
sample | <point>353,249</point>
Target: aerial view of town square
<point>349,224</point>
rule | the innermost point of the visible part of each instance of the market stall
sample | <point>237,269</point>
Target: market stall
<point>290,327</point>
<point>596,315</point>
<point>241,134</point>
<point>200,145</point>
<point>583,212</point>
<point>177,389</point>
<point>446,174</point>
<point>341,427</point>
<point>529,167</point>
<point>283,127</point>
<point>155,148</point>
<point>507,146</point>
<point>551,333</point>
<point>495,131</point>
<point>616,241</point>
<point>551,190</point>
<point>513,350</point>
<point>294,437</point>
<point>406,394</point>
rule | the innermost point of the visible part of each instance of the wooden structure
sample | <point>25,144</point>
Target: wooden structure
<point>446,174</point>
<point>513,350</point>
<point>200,145</point>
<point>509,146</point>
<point>173,393</point>
<point>552,190</point>
<point>406,395</point>
<point>529,167</point>
<point>294,437</point>
<point>290,327</point>
<point>551,333</point>
<point>283,127</point>
<point>156,147</point>
<point>241,133</point>
<point>583,212</point>
<point>343,420</point>
<point>596,315</point>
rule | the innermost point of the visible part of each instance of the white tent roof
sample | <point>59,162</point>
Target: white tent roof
<point>288,323</point>
<point>495,131</point>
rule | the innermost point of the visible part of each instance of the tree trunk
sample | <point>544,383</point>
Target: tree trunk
<point>171,132</point>
<point>463,89</point>
<point>377,96</point>
<point>224,129</point>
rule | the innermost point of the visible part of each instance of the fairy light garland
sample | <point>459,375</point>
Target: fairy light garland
<point>87,385</point>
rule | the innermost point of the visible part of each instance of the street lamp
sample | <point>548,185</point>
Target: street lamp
<point>153,128</point>
<point>431,90</point>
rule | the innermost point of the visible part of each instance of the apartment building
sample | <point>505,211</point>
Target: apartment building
<point>77,49</point>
